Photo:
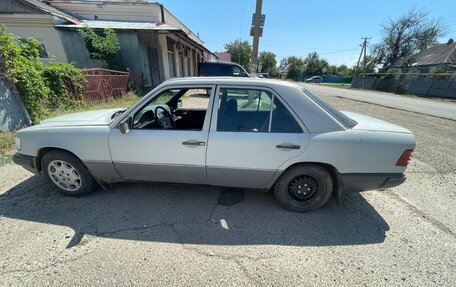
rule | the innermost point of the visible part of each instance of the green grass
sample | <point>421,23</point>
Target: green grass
<point>7,138</point>
<point>124,102</point>
<point>6,147</point>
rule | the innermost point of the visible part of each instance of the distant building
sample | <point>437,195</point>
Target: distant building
<point>155,45</point>
<point>430,73</point>
<point>427,61</point>
<point>225,57</point>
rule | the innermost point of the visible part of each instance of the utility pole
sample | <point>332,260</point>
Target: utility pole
<point>257,31</point>
<point>239,52</point>
<point>364,66</point>
<point>363,49</point>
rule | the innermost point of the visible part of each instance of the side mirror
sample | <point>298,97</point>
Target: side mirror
<point>125,126</point>
<point>179,103</point>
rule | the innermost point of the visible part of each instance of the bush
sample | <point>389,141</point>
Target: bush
<point>65,84</point>
<point>42,87</point>
<point>390,74</point>
<point>440,72</point>
<point>102,47</point>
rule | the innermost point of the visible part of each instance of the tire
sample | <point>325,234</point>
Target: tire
<point>304,188</point>
<point>67,173</point>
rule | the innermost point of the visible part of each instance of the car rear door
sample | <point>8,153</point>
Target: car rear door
<point>252,134</point>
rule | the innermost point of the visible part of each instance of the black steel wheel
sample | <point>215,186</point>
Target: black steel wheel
<point>304,187</point>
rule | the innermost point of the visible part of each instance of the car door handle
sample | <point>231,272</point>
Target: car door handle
<point>194,142</point>
<point>288,146</point>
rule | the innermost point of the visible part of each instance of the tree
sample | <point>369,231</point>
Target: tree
<point>332,70</point>
<point>316,66</point>
<point>294,66</point>
<point>240,52</point>
<point>344,71</point>
<point>371,63</point>
<point>407,35</point>
<point>102,47</point>
<point>268,63</point>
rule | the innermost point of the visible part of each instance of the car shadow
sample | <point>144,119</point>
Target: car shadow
<point>192,215</point>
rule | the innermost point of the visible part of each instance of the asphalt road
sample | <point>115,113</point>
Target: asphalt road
<point>440,108</point>
<point>160,234</point>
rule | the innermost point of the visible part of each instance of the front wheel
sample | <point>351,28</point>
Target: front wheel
<point>304,187</point>
<point>67,173</point>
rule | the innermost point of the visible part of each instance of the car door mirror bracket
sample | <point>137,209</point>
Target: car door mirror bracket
<point>125,125</point>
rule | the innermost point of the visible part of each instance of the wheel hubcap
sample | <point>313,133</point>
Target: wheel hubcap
<point>64,175</point>
<point>303,188</point>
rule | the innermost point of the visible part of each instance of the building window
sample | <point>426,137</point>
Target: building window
<point>189,68</point>
<point>195,64</point>
<point>181,65</point>
<point>41,47</point>
<point>172,66</point>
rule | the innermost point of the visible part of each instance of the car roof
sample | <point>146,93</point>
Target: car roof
<point>315,118</point>
<point>221,63</point>
<point>313,115</point>
<point>232,81</point>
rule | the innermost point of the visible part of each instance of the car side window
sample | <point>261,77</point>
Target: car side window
<point>208,69</point>
<point>186,107</point>
<point>282,120</point>
<point>249,110</point>
<point>195,99</point>
<point>243,110</point>
<point>225,70</point>
<point>236,71</point>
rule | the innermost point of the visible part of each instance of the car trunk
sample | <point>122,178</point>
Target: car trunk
<point>372,124</point>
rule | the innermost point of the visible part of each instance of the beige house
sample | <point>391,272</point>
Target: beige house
<point>155,45</point>
<point>31,18</point>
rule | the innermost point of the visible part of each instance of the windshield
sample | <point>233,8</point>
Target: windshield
<point>338,115</point>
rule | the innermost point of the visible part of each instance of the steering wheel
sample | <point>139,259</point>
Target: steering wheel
<point>166,121</point>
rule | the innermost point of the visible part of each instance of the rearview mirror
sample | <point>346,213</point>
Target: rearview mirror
<point>125,126</point>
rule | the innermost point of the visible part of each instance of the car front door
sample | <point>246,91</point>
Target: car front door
<point>254,134</point>
<point>165,155</point>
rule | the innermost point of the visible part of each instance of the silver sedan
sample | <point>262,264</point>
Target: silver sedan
<point>238,132</point>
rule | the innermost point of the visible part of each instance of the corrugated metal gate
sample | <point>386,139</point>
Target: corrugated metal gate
<point>444,87</point>
<point>104,84</point>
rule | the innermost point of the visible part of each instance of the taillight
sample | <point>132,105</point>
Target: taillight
<point>405,158</point>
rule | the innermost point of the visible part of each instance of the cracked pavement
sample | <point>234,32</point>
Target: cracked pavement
<point>161,234</point>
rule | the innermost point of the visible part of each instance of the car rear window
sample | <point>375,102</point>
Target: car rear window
<point>338,115</point>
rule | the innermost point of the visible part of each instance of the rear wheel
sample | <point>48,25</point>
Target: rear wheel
<point>67,173</point>
<point>304,187</point>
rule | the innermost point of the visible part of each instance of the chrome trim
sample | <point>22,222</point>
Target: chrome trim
<point>270,113</point>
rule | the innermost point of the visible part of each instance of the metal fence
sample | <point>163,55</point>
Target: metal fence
<point>104,84</point>
<point>417,84</point>
<point>13,114</point>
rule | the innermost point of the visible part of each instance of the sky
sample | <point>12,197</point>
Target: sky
<point>331,28</point>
